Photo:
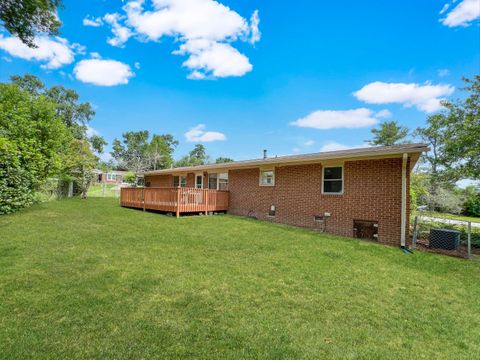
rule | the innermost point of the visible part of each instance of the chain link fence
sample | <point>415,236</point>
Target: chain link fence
<point>447,236</point>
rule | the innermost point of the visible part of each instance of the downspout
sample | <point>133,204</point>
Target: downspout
<point>403,216</point>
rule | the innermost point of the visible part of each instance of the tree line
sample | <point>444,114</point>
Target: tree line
<point>453,136</point>
<point>46,149</point>
<point>45,145</point>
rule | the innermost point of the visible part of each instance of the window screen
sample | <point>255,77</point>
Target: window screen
<point>333,180</point>
<point>199,181</point>
<point>176,181</point>
<point>212,181</point>
<point>183,181</point>
<point>223,181</point>
<point>267,178</point>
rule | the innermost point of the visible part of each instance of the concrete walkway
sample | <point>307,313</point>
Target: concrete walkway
<point>448,221</point>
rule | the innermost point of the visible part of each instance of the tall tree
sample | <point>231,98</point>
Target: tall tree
<point>46,129</point>
<point>198,156</point>
<point>131,152</point>
<point>454,137</point>
<point>439,163</point>
<point>221,160</point>
<point>389,133</point>
<point>462,123</point>
<point>25,18</point>
<point>160,151</point>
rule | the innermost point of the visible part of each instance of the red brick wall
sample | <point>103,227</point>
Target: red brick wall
<point>191,180</point>
<point>372,191</point>
<point>159,180</point>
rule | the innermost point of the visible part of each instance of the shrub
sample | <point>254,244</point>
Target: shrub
<point>472,206</point>
<point>16,184</point>
<point>130,178</point>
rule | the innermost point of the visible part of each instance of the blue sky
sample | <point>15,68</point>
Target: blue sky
<point>248,75</point>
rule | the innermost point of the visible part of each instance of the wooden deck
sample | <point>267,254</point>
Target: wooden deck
<point>176,200</point>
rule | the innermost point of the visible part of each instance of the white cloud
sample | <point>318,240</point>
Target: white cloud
<point>103,72</point>
<point>444,8</point>
<point>255,33</point>
<point>425,97</point>
<point>137,65</point>
<point>189,19</point>
<point>211,57</point>
<point>308,143</point>
<point>461,15</point>
<point>383,114</point>
<point>204,28</point>
<point>91,131</point>
<point>334,146</point>
<point>52,52</point>
<point>121,33</point>
<point>334,119</point>
<point>91,21</point>
<point>198,134</point>
<point>443,72</point>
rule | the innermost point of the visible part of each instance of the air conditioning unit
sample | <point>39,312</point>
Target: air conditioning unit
<point>444,239</point>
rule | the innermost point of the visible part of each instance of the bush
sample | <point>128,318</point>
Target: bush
<point>472,206</point>
<point>445,200</point>
<point>130,178</point>
<point>16,184</point>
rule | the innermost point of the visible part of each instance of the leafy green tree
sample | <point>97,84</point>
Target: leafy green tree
<point>131,152</point>
<point>221,160</point>
<point>462,123</point>
<point>79,162</point>
<point>389,133</point>
<point>29,83</point>
<point>73,113</point>
<point>435,135</point>
<point>25,18</point>
<point>160,151</point>
<point>130,178</point>
<point>98,143</point>
<point>454,137</point>
<point>16,183</point>
<point>32,126</point>
<point>137,153</point>
<point>46,130</point>
<point>198,156</point>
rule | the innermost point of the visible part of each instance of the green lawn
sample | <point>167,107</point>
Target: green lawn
<point>97,190</point>
<point>88,279</point>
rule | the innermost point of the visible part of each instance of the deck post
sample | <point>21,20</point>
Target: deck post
<point>143,198</point>
<point>178,202</point>
<point>206,202</point>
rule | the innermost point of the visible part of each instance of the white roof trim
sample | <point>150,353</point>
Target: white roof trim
<point>358,153</point>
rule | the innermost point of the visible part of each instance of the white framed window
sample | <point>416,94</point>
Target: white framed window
<point>332,180</point>
<point>222,181</point>
<point>179,181</point>
<point>199,181</point>
<point>267,177</point>
<point>111,177</point>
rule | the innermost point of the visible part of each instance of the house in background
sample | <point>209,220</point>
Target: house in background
<point>110,177</point>
<point>364,193</point>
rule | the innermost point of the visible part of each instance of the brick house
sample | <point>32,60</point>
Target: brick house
<point>110,177</point>
<point>362,192</point>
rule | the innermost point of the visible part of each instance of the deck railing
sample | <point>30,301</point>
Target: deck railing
<point>177,200</point>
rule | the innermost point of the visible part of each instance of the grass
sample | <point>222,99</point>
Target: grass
<point>96,190</point>
<point>88,279</point>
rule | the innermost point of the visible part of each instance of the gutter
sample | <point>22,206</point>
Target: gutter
<point>403,216</point>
